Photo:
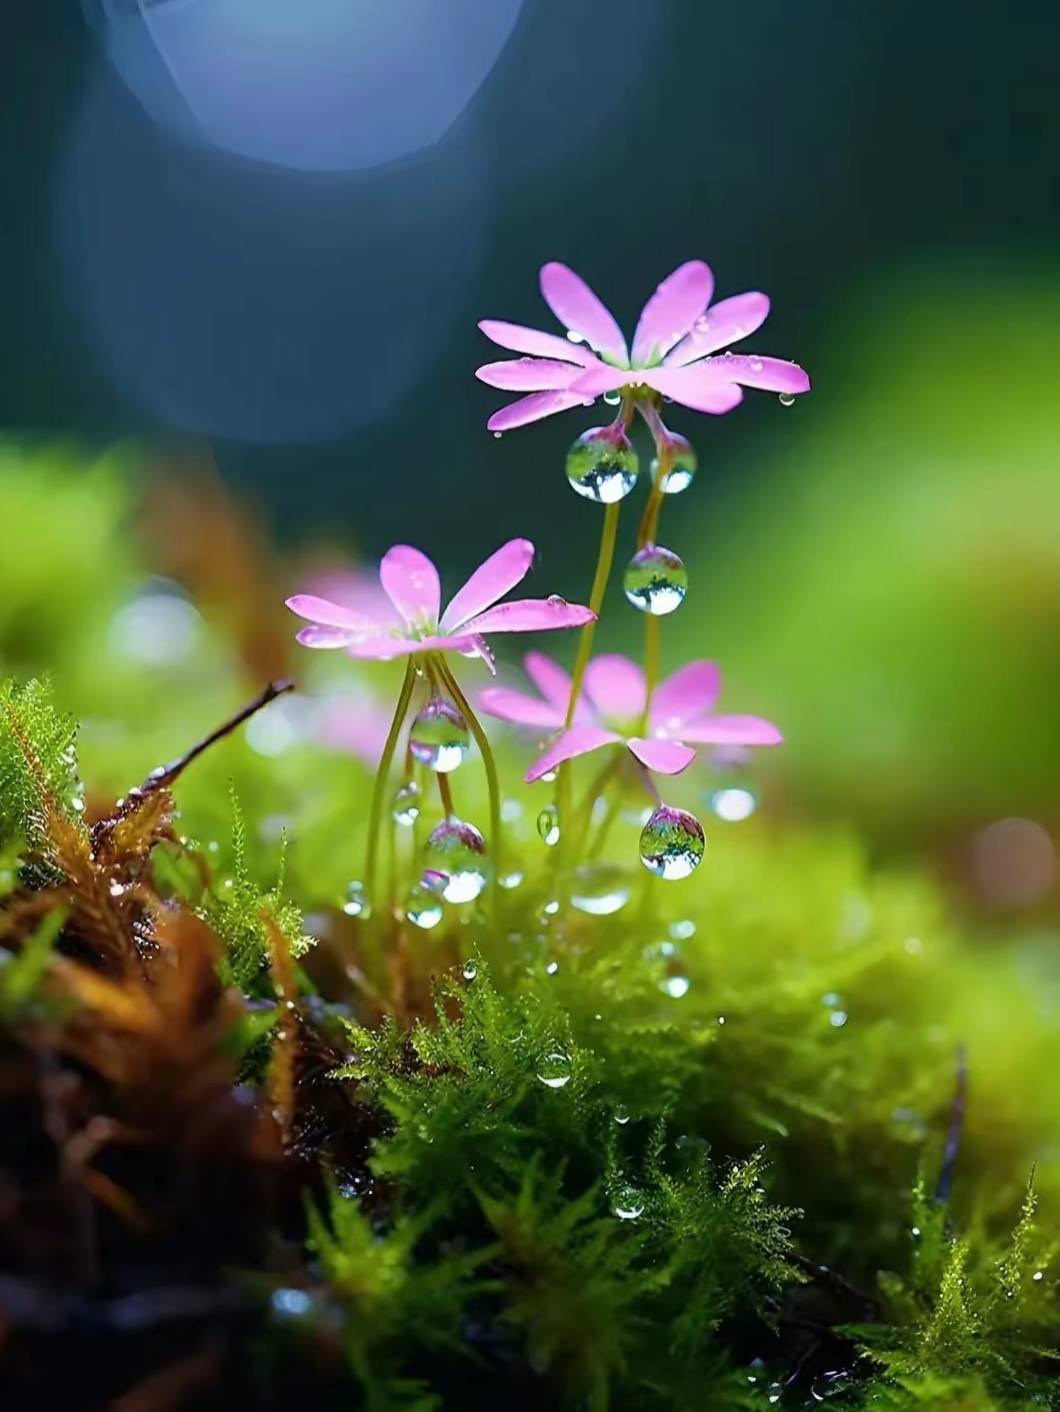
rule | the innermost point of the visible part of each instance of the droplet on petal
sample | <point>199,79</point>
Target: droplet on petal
<point>602,465</point>
<point>407,804</point>
<point>423,908</point>
<point>656,580</point>
<point>683,466</point>
<point>439,737</point>
<point>548,825</point>
<point>554,1070</point>
<point>457,851</point>
<point>787,399</point>
<point>613,398</point>
<point>672,843</point>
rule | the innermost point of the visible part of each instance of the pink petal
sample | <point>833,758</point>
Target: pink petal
<point>691,690</point>
<point>698,387</point>
<point>616,687</point>
<point>411,583</point>
<point>533,408</point>
<point>353,725</point>
<point>536,342</point>
<point>384,648</point>
<point>769,374</point>
<point>721,325</point>
<point>549,677</point>
<point>332,615</point>
<point>668,757</point>
<point>731,730</point>
<point>317,635</point>
<point>508,705</point>
<point>594,381</point>
<point>578,740</point>
<point>578,309</point>
<point>672,310</point>
<point>530,374</point>
<point>490,581</point>
<point>530,615</point>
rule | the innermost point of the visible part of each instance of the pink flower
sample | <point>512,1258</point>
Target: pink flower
<point>352,725</point>
<point>674,337</point>
<point>413,622</point>
<point>612,709</point>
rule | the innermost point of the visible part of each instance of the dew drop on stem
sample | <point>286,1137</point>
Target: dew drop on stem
<point>548,825</point>
<point>672,843</point>
<point>602,465</point>
<point>457,852</point>
<point>439,737</point>
<point>407,804</point>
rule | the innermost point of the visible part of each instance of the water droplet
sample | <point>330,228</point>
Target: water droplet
<point>511,810</point>
<point>683,466</point>
<point>733,804</point>
<point>621,1114</point>
<point>407,804</point>
<point>787,399</point>
<point>681,931</point>
<point>672,843</point>
<point>291,1303</point>
<point>549,777</point>
<point>554,1070</point>
<point>552,968</point>
<point>599,889</point>
<point>356,904</point>
<point>1038,1275</point>
<point>470,970</point>
<point>575,337</point>
<point>756,365</point>
<point>675,986</point>
<point>602,465</point>
<point>550,908</point>
<point>613,398</point>
<point>510,880</point>
<point>439,737</point>
<point>457,851</point>
<point>423,907</point>
<point>655,580</point>
<point>548,825</point>
<point>832,998</point>
<point>627,1203</point>
<point>837,1019</point>
<point>497,435</point>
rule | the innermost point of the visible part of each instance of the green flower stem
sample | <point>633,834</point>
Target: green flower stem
<point>381,778</point>
<point>445,791</point>
<point>492,779</point>
<point>649,525</point>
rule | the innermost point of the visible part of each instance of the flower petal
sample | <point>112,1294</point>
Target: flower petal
<point>769,374</point>
<point>490,581</point>
<point>616,687</point>
<point>530,374</point>
<point>698,387</point>
<point>691,691</point>
<point>579,310</point>
<point>732,730</point>
<point>672,310</point>
<point>534,407</point>
<point>578,740</point>
<point>332,615</point>
<point>593,381</point>
<point>723,323</point>
<point>318,635</point>
<point>549,677</point>
<point>508,705</point>
<point>385,647</point>
<point>667,757</point>
<point>536,342</point>
<point>411,583</point>
<point>530,615</point>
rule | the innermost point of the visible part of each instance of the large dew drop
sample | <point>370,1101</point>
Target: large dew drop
<point>602,465</point>
<point>457,852</point>
<point>655,581</point>
<point>627,1202</point>
<point>356,904</point>
<point>683,465</point>
<point>599,889</point>
<point>439,737</point>
<point>423,908</point>
<point>672,843</point>
<point>548,825</point>
<point>554,1070</point>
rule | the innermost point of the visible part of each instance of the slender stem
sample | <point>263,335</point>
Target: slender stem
<point>492,778</point>
<point>649,524</point>
<point>382,775</point>
<point>603,777</point>
<point>166,775</point>
<point>651,660</point>
<point>445,790</point>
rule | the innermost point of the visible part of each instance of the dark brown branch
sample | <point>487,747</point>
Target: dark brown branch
<point>166,775</point>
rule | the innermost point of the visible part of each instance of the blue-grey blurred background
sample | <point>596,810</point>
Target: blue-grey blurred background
<point>263,231</point>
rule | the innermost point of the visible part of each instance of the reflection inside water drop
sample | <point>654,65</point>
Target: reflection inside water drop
<point>672,843</point>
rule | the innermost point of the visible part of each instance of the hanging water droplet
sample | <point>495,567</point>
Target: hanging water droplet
<point>434,881</point>
<point>575,337</point>
<point>549,777</point>
<point>510,880</point>
<point>439,737</point>
<point>548,825</point>
<point>356,904</point>
<point>672,843</point>
<point>787,399</point>
<point>554,1069</point>
<point>681,931</point>
<point>621,1114</point>
<point>683,466</point>
<point>602,465</point>
<point>613,398</point>
<point>733,804</point>
<point>552,968</point>
<point>756,365</point>
<point>655,580</point>
<point>423,908</point>
<point>675,986</point>
<point>599,889</point>
<point>497,435</point>
<point>837,1019</point>
<point>457,851</point>
<point>407,804</point>
<point>470,970</point>
<point>627,1203</point>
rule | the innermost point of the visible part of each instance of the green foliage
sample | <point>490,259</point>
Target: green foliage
<point>21,974</point>
<point>38,762</point>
